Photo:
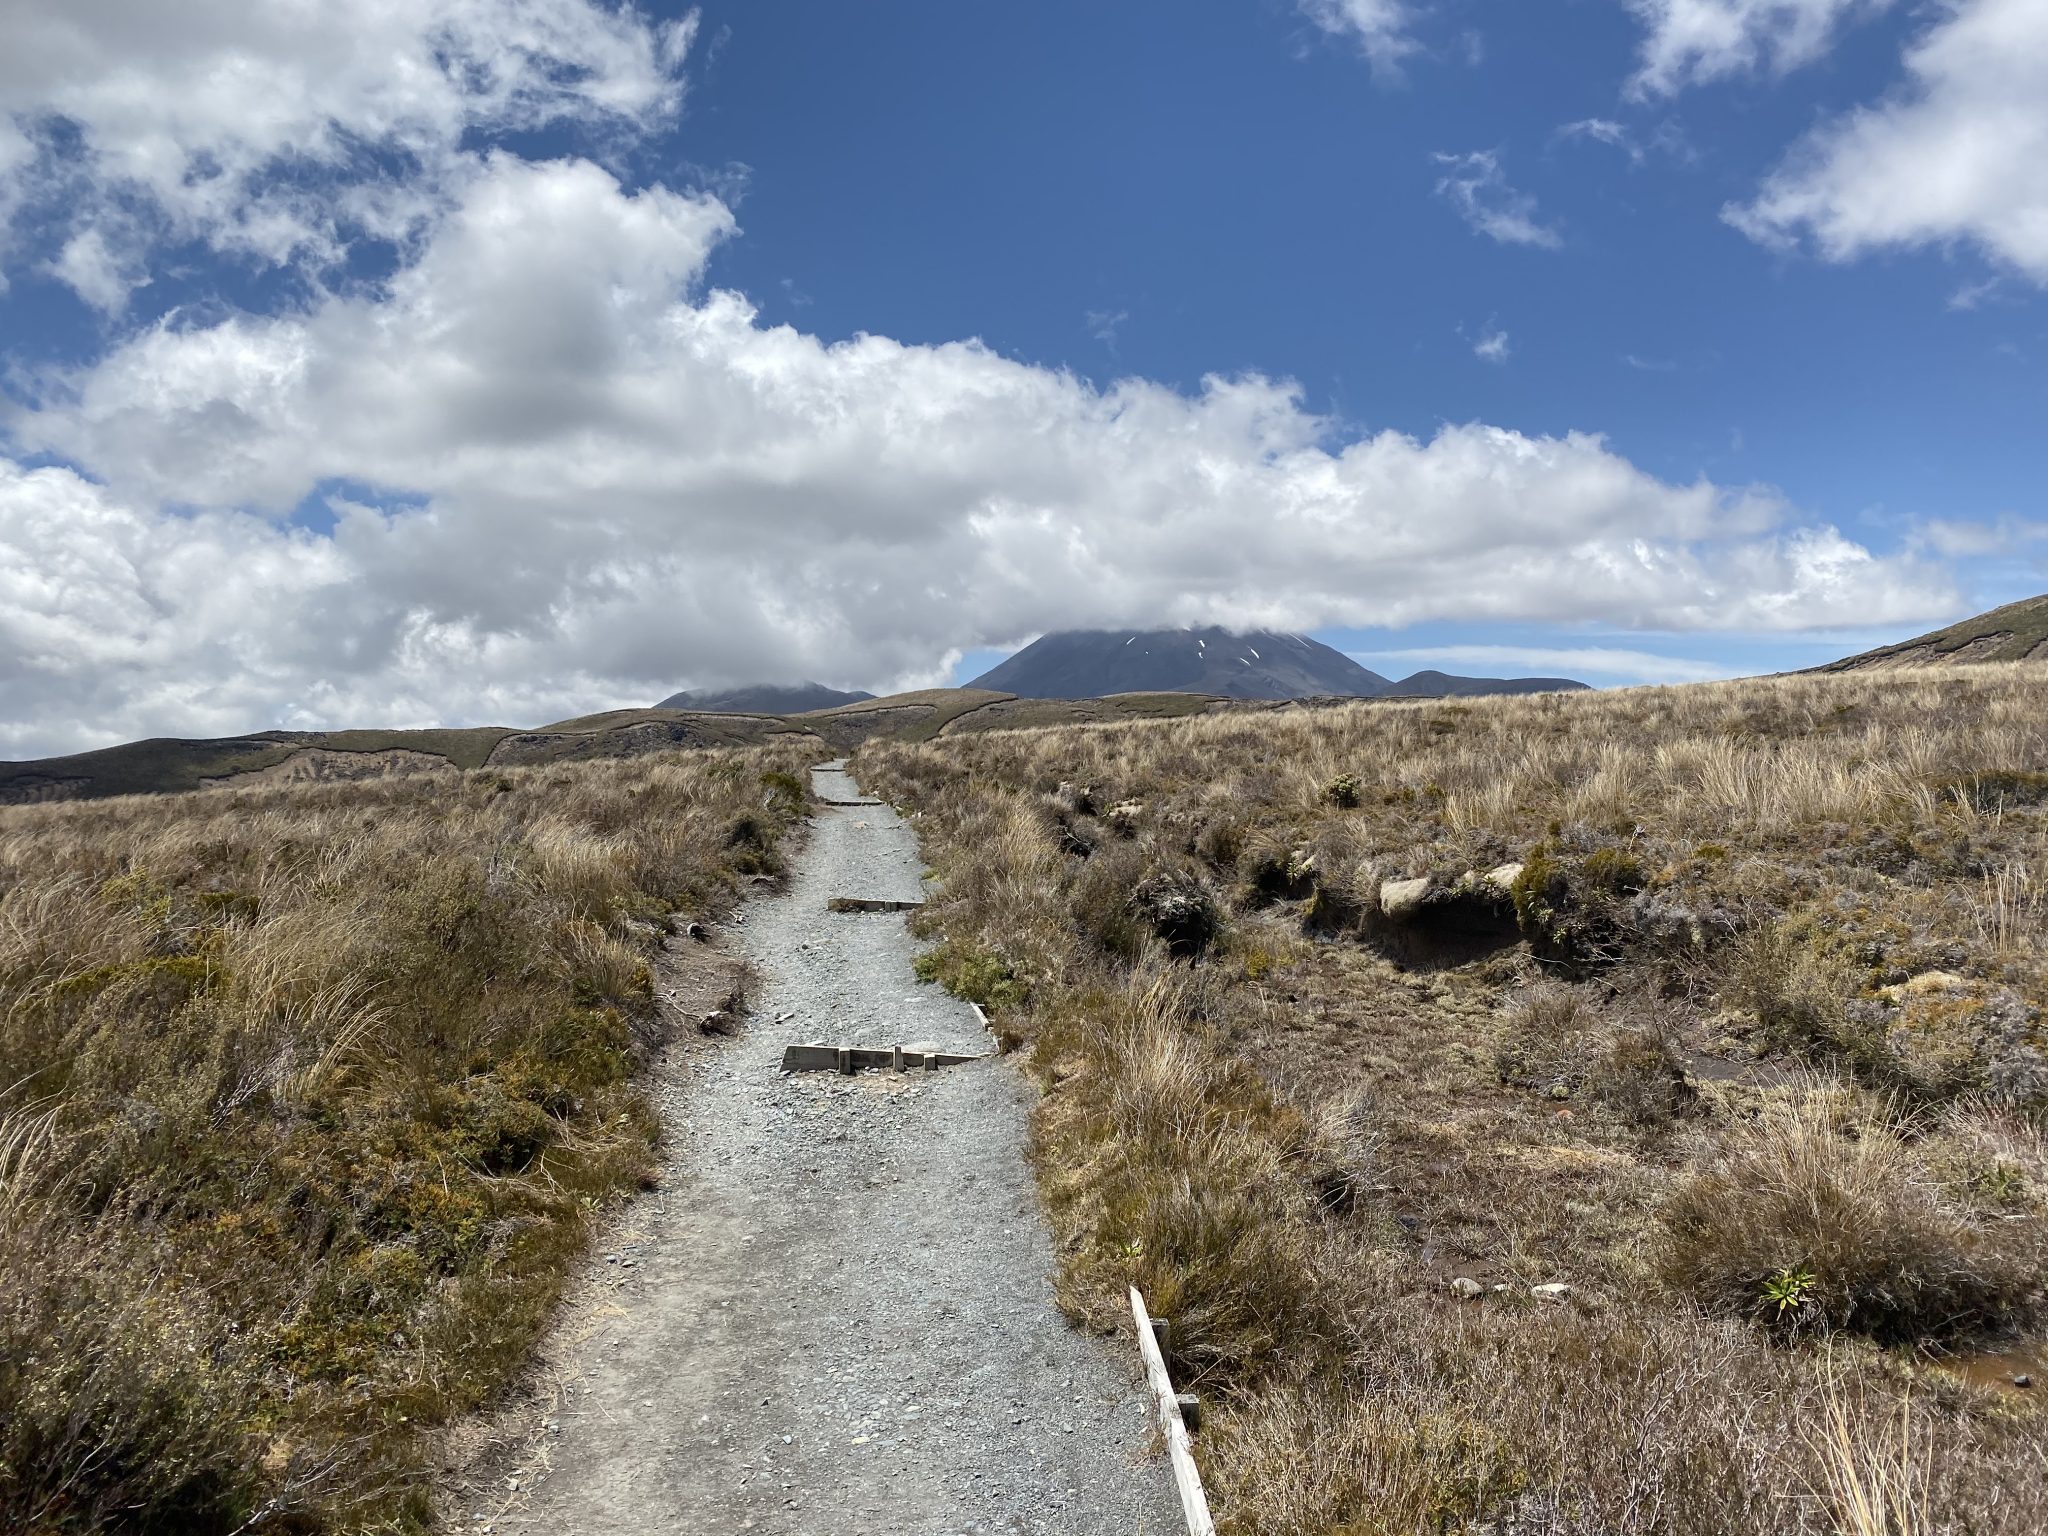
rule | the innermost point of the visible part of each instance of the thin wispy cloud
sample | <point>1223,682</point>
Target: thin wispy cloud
<point>1604,130</point>
<point>1476,186</point>
<point>1102,324</point>
<point>1970,295</point>
<point>1492,346</point>
<point>1380,28</point>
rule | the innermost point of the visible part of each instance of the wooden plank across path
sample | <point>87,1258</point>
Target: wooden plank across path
<point>869,904</point>
<point>823,801</point>
<point>855,1058</point>
<point>1173,1424</point>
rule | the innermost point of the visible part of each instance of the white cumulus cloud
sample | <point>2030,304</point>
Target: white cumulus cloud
<point>1689,42</point>
<point>563,475</point>
<point>275,130</point>
<point>1958,154</point>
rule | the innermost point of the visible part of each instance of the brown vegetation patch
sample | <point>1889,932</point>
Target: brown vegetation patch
<point>307,1096</point>
<point>1296,1138</point>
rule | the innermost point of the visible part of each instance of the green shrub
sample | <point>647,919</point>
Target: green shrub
<point>978,975</point>
<point>786,792</point>
<point>1176,902</point>
<point>1612,871</point>
<point>1641,1078</point>
<point>1546,1038</point>
<point>1576,915</point>
<point>1818,1190</point>
<point>1100,901</point>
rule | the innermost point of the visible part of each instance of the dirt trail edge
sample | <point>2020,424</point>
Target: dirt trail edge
<point>836,1315</point>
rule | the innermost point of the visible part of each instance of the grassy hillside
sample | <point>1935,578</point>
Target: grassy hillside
<point>2016,632</point>
<point>1720,1007</point>
<point>307,1093</point>
<point>168,766</point>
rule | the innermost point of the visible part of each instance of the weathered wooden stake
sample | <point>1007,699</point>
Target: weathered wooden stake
<point>1173,1424</point>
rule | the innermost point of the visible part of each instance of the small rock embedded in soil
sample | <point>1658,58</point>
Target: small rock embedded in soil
<point>1398,898</point>
<point>1556,1290</point>
<point>1466,1288</point>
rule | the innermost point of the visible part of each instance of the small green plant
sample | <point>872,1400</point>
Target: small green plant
<point>785,787</point>
<point>1788,1291</point>
<point>1342,791</point>
<point>978,975</point>
<point>2001,1184</point>
<point>1614,871</point>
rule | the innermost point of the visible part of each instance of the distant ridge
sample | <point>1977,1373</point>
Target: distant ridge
<point>1264,664</point>
<point>2016,632</point>
<point>763,699</point>
<point>1446,685</point>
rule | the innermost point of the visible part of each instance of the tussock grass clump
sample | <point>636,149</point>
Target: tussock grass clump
<point>1822,1215</point>
<point>1176,1163</point>
<point>307,1093</point>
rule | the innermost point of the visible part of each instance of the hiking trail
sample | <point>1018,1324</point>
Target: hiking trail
<point>835,1315</point>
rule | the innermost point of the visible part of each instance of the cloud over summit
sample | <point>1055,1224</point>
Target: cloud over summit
<point>564,471</point>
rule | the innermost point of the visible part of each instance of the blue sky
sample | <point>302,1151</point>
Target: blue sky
<point>497,359</point>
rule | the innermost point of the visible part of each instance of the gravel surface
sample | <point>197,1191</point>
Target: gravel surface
<point>836,1316</point>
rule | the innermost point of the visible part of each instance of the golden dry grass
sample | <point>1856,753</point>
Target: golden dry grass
<point>1761,1021</point>
<point>306,1096</point>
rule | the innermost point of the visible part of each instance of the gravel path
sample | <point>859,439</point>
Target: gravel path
<point>837,1317</point>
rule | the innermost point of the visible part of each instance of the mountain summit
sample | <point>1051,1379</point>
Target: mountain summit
<point>1264,664</point>
<point>1091,663</point>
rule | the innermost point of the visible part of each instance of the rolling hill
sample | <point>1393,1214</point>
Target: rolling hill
<point>167,765</point>
<point>1116,676</point>
<point>1448,685</point>
<point>2016,632</point>
<point>763,699</point>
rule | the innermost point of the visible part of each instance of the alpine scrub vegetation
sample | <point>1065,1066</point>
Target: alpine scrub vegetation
<point>1575,1113</point>
<point>307,1094</point>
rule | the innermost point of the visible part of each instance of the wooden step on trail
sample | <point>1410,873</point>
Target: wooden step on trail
<point>849,1059</point>
<point>869,904</point>
<point>823,801</point>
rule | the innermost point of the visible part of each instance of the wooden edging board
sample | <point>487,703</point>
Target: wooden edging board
<point>869,904</point>
<point>1187,1478</point>
<point>854,1058</point>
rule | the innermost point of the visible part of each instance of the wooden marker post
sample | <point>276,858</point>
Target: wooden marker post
<point>1187,1478</point>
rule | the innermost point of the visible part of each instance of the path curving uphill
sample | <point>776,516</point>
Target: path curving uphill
<point>836,1316</point>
